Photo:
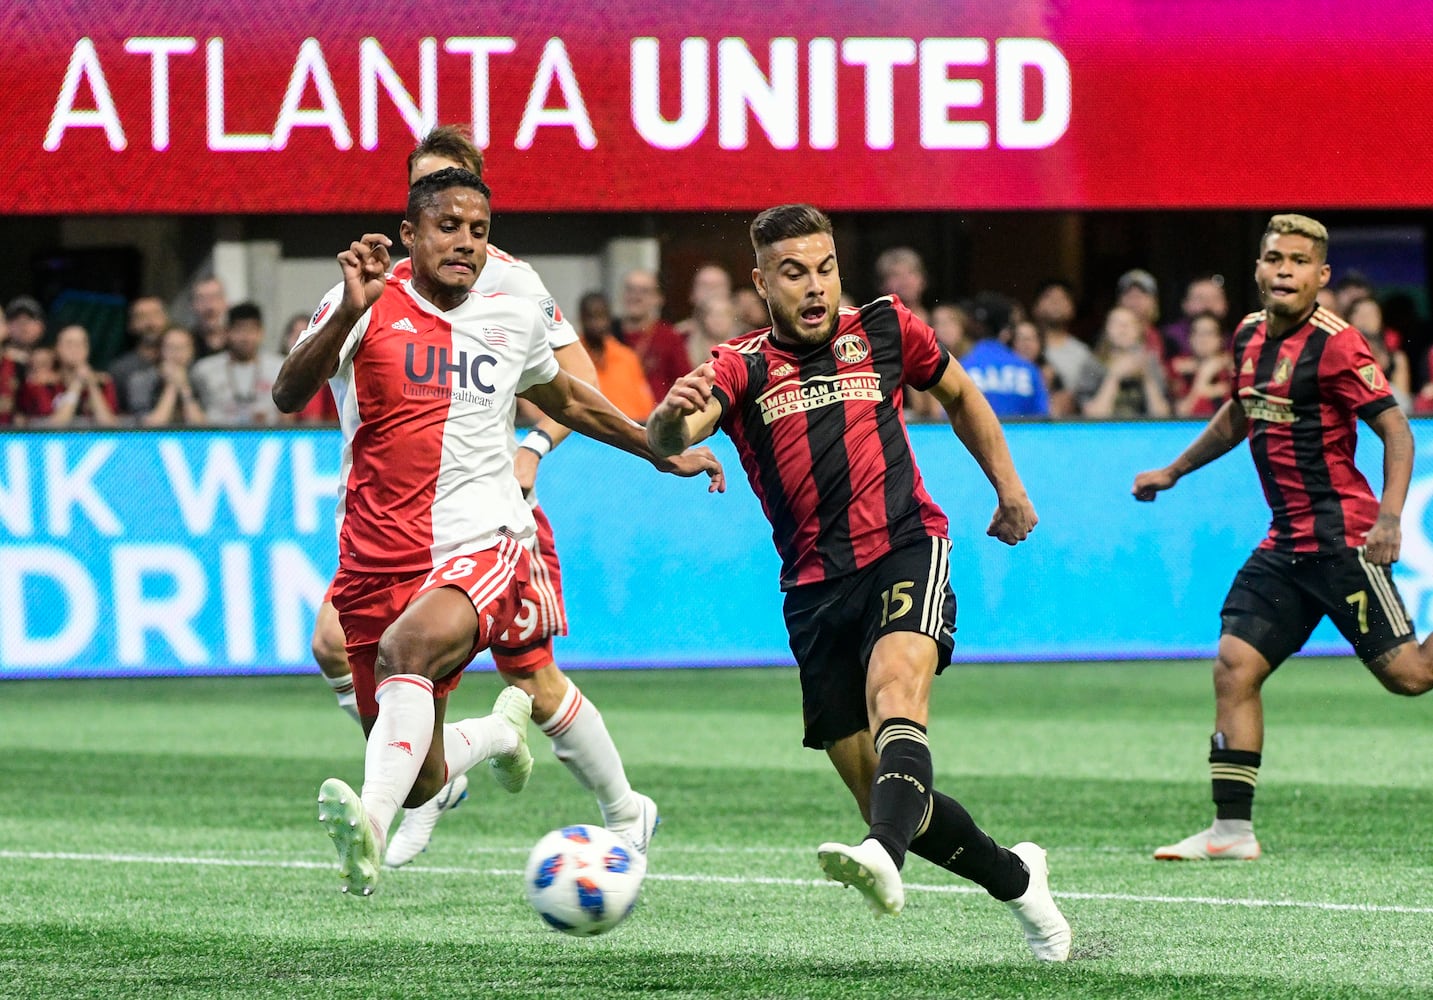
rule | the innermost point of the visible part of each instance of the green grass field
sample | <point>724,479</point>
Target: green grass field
<point>158,839</point>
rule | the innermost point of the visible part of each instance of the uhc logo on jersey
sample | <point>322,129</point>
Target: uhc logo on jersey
<point>551,314</point>
<point>435,367</point>
<point>851,348</point>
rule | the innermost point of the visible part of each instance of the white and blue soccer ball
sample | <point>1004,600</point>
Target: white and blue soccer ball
<point>584,879</point>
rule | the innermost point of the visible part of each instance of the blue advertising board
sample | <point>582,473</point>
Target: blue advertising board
<point>208,552</point>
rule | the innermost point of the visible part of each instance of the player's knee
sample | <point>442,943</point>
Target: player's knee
<point>401,651</point>
<point>1233,677</point>
<point>1409,681</point>
<point>329,652</point>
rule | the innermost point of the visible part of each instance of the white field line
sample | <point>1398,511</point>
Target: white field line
<point>1118,897</point>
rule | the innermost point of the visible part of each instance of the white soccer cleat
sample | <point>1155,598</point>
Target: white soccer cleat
<point>1046,930</point>
<point>512,770</point>
<point>870,869</point>
<point>638,832</point>
<point>1205,846</point>
<point>341,812</point>
<point>412,836</point>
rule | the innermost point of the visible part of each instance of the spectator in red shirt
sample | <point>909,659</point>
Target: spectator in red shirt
<point>658,345</point>
<point>74,393</point>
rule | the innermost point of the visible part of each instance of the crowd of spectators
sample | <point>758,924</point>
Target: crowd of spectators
<point>1040,359</point>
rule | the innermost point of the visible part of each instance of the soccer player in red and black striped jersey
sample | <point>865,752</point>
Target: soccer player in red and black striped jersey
<point>1303,379</point>
<point>813,403</point>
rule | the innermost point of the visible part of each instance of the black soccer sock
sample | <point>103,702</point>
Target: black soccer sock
<point>1233,775</point>
<point>952,841</point>
<point>900,792</point>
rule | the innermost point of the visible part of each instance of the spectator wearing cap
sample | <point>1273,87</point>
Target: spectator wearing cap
<point>1138,292</point>
<point>236,387</point>
<point>148,319</point>
<point>26,321</point>
<point>1205,294</point>
<point>72,393</point>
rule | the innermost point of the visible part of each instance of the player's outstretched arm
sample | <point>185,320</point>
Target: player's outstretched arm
<point>314,360</point>
<point>1385,538</point>
<point>1220,436</point>
<point>579,406</point>
<point>689,413</point>
<point>978,428</point>
<point>573,359</point>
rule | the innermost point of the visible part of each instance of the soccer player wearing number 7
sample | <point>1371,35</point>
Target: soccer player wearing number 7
<point>431,545</point>
<point>1303,377</point>
<point>813,404</point>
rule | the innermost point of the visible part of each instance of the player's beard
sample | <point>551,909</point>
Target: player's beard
<point>790,328</point>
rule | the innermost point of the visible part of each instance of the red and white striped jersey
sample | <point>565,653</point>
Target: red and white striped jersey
<point>427,400</point>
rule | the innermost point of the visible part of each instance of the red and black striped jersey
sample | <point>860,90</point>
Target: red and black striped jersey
<point>823,442</point>
<point>1303,393</point>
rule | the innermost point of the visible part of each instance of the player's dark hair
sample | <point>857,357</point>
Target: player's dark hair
<point>245,311</point>
<point>452,142</point>
<point>425,190</point>
<point>786,222</point>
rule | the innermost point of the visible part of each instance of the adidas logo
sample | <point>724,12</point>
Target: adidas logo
<point>782,370</point>
<point>406,325</point>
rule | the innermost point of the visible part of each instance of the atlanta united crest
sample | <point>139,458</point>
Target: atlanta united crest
<point>851,348</point>
<point>1282,371</point>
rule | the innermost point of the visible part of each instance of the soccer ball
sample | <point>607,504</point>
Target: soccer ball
<point>583,880</point>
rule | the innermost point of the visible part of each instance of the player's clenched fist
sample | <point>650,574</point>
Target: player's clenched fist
<point>689,394</point>
<point>365,269</point>
<point>1147,485</point>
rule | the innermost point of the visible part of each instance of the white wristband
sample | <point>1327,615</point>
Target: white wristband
<point>536,441</point>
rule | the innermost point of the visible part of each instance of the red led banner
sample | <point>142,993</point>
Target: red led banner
<point>301,107</point>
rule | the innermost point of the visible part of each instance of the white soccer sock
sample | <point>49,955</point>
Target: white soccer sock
<point>471,741</point>
<point>396,746</point>
<point>581,741</point>
<point>1232,829</point>
<point>343,690</point>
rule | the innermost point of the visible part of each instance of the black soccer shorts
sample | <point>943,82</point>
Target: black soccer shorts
<point>833,627</point>
<point>1277,599</point>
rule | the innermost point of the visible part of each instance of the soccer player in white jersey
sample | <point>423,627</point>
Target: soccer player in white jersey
<point>432,553</point>
<point>524,657</point>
